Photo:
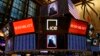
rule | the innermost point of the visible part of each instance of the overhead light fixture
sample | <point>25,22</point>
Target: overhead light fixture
<point>1,34</point>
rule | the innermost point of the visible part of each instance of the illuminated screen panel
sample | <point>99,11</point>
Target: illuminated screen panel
<point>78,27</point>
<point>51,41</point>
<point>23,26</point>
<point>53,9</point>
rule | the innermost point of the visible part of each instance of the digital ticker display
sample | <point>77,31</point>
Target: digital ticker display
<point>78,27</point>
<point>23,26</point>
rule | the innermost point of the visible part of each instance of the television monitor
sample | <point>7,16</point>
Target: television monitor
<point>23,26</point>
<point>53,8</point>
<point>51,41</point>
<point>78,27</point>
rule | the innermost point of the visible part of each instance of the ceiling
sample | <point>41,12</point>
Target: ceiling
<point>44,2</point>
<point>76,1</point>
<point>90,16</point>
<point>41,2</point>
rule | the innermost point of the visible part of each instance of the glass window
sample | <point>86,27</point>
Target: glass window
<point>31,9</point>
<point>20,14</point>
<point>1,2</point>
<point>15,5</point>
<point>5,1</point>
<point>2,6</point>
<point>18,9</point>
<point>16,1</point>
<point>31,4</point>
<point>0,20</point>
<point>23,0</point>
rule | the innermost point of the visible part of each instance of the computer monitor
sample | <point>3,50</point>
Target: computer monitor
<point>53,8</point>
<point>51,41</point>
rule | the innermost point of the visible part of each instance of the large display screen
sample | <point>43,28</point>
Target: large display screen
<point>78,27</point>
<point>51,41</point>
<point>52,9</point>
<point>23,26</point>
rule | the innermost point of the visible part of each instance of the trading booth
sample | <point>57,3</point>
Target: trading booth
<point>54,36</point>
<point>58,31</point>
